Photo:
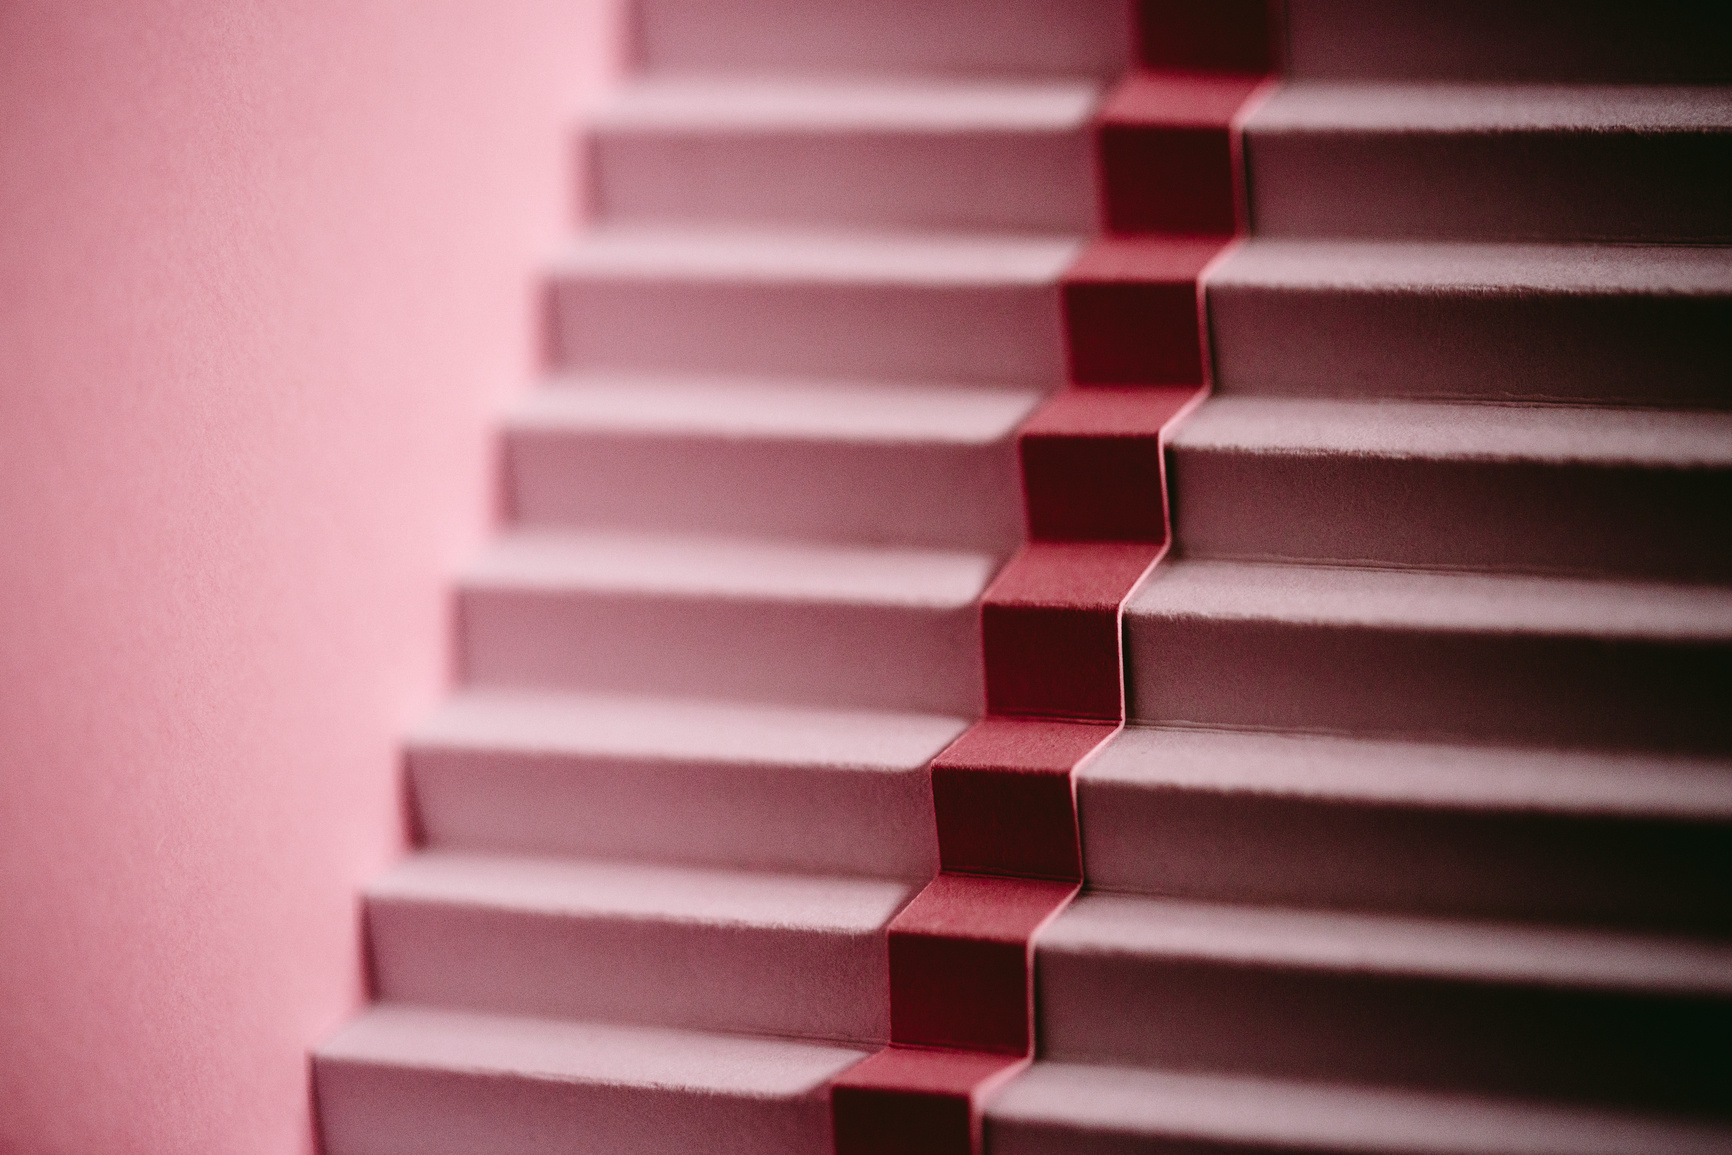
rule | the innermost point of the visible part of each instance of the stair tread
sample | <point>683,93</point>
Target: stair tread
<point>640,892</point>
<point>1244,1109</point>
<point>1330,106</point>
<point>921,104</point>
<point>1378,771</point>
<point>1429,600</point>
<point>772,409</point>
<point>1382,944</point>
<point>701,567</point>
<point>565,1051</point>
<point>1454,266</point>
<point>804,256</point>
<point>1465,431</point>
<point>677,729</point>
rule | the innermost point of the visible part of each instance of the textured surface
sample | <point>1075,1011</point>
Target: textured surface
<point>1068,1109</point>
<point>735,612</point>
<point>823,460</point>
<point>1437,796</point>
<point>1580,1015</point>
<point>1491,162</point>
<point>262,289</point>
<point>896,307</point>
<point>850,153</point>
<point>1645,493</point>
<point>1480,656</point>
<point>680,780</point>
<point>1591,323</point>
<point>1373,824</point>
<point>410,1080</point>
<point>974,37</point>
<point>666,946</point>
<point>810,625</point>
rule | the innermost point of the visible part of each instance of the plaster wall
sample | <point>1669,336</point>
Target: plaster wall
<point>266,273</point>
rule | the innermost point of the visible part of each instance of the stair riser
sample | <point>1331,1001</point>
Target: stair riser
<point>954,496</point>
<point>1292,851</point>
<point>1540,689</point>
<point>383,1110</point>
<point>975,37</point>
<point>820,820</point>
<point>1602,41</point>
<point>621,970</point>
<point>869,657</point>
<point>1668,524</point>
<point>991,181</point>
<point>1494,186</point>
<point>1478,344</point>
<point>902,332</point>
<point>1649,1050</point>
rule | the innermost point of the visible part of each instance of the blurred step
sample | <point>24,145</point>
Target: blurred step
<point>910,153</point>
<point>1511,162</point>
<point>1476,657</point>
<point>930,465</point>
<point>854,306</point>
<point>1485,1007</point>
<point>1487,832</point>
<point>400,1080</point>
<point>676,781</point>
<point>1070,1108</point>
<point>805,625</point>
<point>1589,41</point>
<point>1645,493</point>
<point>1638,324</point>
<point>901,37</point>
<point>636,943</point>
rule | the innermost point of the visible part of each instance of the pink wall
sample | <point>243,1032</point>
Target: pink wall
<point>265,271</point>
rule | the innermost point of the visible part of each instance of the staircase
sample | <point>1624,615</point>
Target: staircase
<point>1420,836</point>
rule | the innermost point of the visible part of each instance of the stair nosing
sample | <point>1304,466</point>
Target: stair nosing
<point>1376,107</point>
<point>1493,433</point>
<point>545,1048</point>
<point>670,566</point>
<point>820,412</point>
<point>1283,1112</point>
<point>847,104</point>
<point>1381,772</point>
<point>603,890</point>
<point>1432,949</point>
<point>453,727</point>
<point>1433,601</point>
<point>844,257</point>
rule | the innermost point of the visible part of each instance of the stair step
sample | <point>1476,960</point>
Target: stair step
<point>1482,657</point>
<point>890,306</point>
<point>622,942</point>
<point>898,37</point>
<point>1637,324</point>
<point>910,153</point>
<point>695,783</point>
<point>1487,1007</point>
<point>1069,1108</point>
<point>931,465</point>
<point>1498,162</point>
<point>1318,821</point>
<point>409,1079</point>
<point>1603,41</point>
<point>833,626</point>
<point>1493,487</point>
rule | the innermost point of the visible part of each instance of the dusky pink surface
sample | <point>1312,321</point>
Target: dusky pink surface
<point>265,272</point>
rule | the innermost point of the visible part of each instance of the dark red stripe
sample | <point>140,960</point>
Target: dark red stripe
<point>1094,484</point>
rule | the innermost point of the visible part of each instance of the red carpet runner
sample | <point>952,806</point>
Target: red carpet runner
<point>961,953</point>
